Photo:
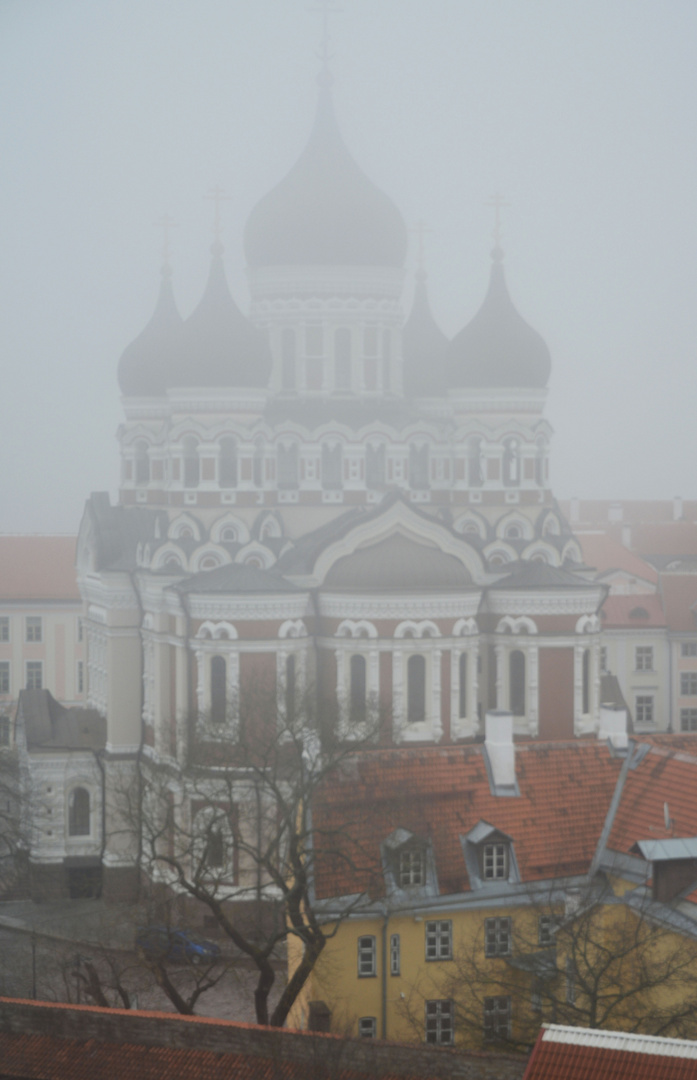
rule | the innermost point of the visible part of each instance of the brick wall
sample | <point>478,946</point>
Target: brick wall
<point>173,1031</point>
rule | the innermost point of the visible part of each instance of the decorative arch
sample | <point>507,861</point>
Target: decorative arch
<point>182,525</point>
<point>208,557</point>
<point>551,526</point>
<point>588,624</point>
<point>471,524</point>
<point>360,629</point>
<point>232,523</point>
<point>521,625</point>
<point>500,553</point>
<point>256,554</point>
<point>292,628</point>
<point>514,520</point>
<point>268,527</point>
<point>426,628</point>
<point>542,551</point>
<point>170,555</point>
<point>79,811</point>
<point>216,631</point>
<point>572,552</point>
<point>465,627</point>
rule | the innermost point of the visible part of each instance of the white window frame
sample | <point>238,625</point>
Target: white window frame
<point>4,628</point>
<point>688,648</point>
<point>368,1027</point>
<point>395,955</point>
<point>498,1013</point>
<point>37,667</point>
<point>412,869</point>
<point>367,956</point>
<point>5,670</point>
<point>32,624</point>
<point>545,930</point>
<point>688,719</point>
<point>495,860</point>
<point>497,936</point>
<point>438,938</point>
<point>643,658</point>
<point>440,1022</point>
<point>644,703</point>
<point>688,684</point>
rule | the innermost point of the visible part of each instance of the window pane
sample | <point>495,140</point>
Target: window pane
<point>416,689</point>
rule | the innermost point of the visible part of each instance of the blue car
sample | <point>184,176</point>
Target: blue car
<point>175,946</point>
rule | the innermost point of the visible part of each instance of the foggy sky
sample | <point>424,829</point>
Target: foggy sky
<point>113,112</point>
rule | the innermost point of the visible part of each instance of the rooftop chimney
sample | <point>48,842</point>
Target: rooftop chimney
<point>498,743</point>
<point>613,726</point>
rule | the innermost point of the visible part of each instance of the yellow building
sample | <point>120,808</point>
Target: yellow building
<point>496,886</point>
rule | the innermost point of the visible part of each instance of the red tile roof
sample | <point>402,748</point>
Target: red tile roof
<point>666,775</point>
<point>605,553</point>
<point>579,1054</point>
<point>565,792</point>
<point>632,611</point>
<point>38,568</point>
<point>679,594</point>
<point>634,511</point>
<point>673,538</point>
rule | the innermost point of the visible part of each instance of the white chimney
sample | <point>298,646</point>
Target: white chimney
<point>613,726</point>
<point>677,508</point>
<point>498,741</point>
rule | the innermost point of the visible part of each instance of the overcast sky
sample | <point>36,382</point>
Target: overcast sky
<point>113,112</point>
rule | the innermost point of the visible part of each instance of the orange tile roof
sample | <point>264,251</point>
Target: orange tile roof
<point>679,594</point>
<point>565,792</point>
<point>617,611</point>
<point>666,775</point>
<point>605,553</point>
<point>669,538</point>
<point>38,568</point>
<point>634,511</point>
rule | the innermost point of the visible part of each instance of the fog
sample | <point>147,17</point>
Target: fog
<point>582,115</point>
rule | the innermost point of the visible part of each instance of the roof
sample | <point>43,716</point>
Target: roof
<point>114,532</point>
<point>669,849</point>
<point>50,726</point>
<point>398,563</point>
<point>635,611</point>
<point>536,575</point>
<point>235,578</point>
<point>423,347</point>
<point>589,1054</point>
<point>325,211</point>
<point>605,553</point>
<point>666,774</point>
<point>633,511</point>
<point>679,595</point>
<point>143,363</point>
<point>38,568</point>
<point>443,793</point>
<point>497,347</point>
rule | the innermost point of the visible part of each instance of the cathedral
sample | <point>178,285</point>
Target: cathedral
<point>327,491</point>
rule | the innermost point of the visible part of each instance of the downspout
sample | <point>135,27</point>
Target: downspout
<point>383,988</point>
<point>314,595</point>
<point>100,766</point>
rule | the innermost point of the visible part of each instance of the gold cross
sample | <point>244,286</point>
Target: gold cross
<point>497,201</point>
<point>326,8</point>
<point>166,223</point>
<point>219,196</point>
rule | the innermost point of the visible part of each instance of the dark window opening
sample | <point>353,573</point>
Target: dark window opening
<point>218,690</point>
<point>516,672</point>
<point>227,468</point>
<point>79,812</point>
<point>358,702</point>
<point>416,689</point>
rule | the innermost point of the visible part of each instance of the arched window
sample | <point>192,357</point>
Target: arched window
<point>516,682</point>
<point>416,689</point>
<point>463,685</point>
<point>331,467</point>
<point>511,462</point>
<point>474,458</point>
<point>540,458</point>
<point>358,702</point>
<point>142,462</point>
<point>258,464</point>
<point>418,467</point>
<point>79,812</point>
<point>227,462</point>
<point>192,468</point>
<point>288,359</point>
<point>342,358</point>
<point>513,532</point>
<point>214,857</point>
<point>586,681</point>
<point>290,689</point>
<point>287,460</point>
<point>218,690</point>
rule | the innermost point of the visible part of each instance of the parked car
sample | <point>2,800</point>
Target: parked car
<point>175,946</point>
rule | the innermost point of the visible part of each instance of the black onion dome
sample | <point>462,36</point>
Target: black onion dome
<point>423,347</point>
<point>497,348</point>
<point>325,212</point>
<point>219,346</point>
<point>145,363</point>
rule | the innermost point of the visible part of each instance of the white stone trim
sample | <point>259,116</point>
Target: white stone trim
<point>404,606</point>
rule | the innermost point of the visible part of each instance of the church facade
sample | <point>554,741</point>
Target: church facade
<point>324,493</point>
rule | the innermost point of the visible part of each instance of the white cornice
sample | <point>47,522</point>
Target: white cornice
<point>545,601</point>
<point>255,607</point>
<point>403,606</point>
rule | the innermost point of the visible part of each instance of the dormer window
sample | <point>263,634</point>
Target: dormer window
<point>411,868</point>
<point>495,862</point>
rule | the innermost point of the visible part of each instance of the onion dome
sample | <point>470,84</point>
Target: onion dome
<point>219,346</point>
<point>497,348</point>
<point>423,347</point>
<point>144,364</point>
<point>325,212</point>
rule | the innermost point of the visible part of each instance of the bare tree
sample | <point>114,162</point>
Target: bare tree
<point>232,831</point>
<point>589,959</point>
<point>13,826</point>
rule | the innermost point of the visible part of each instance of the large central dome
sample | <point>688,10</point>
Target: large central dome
<point>325,212</point>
